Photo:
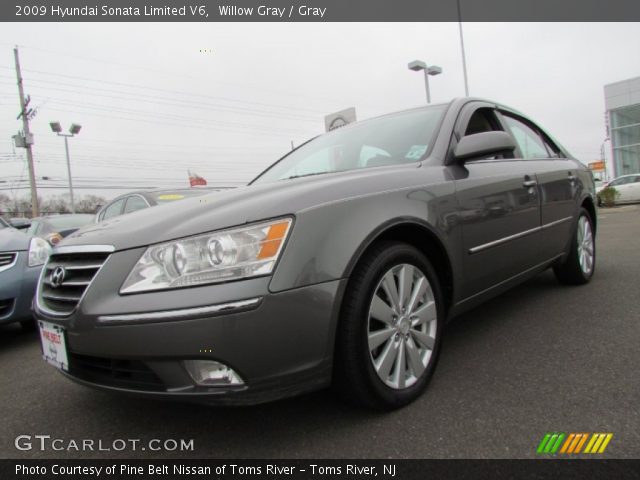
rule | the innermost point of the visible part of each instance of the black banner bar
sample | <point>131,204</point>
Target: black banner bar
<point>319,11</point>
<point>319,469</point>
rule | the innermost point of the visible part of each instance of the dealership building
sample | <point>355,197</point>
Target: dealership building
<point>622,100</point>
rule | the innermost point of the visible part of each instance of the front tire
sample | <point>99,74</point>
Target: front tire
<point>579,266</point>
<point>390,328</point>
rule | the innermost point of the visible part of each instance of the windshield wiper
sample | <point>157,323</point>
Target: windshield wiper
<point>304,175</point>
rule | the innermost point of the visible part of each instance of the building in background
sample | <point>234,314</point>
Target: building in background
<point>622,100</point>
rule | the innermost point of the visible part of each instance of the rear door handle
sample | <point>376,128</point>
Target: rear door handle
<point>528,183</point>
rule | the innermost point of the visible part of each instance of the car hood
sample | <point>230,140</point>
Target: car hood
<point>235,207</point>
<point>12,240</point>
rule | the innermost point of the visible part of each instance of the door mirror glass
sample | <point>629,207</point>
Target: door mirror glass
<point>481,145</point>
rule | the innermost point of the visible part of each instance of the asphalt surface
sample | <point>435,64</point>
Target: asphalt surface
<point>540,358</point>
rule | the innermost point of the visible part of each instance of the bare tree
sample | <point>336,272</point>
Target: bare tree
<point>56,204</point>
<point>90,204</point>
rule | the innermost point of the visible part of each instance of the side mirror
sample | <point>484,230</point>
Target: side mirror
<point>483,144</point>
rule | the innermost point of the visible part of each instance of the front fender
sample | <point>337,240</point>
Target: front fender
<point>327,239</point>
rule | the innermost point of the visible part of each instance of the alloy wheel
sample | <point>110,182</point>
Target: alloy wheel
<point>585,245</point>
<point>402,326</point>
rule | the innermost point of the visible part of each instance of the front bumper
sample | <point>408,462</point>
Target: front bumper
<point>281,345</point>
<point>17,287</point>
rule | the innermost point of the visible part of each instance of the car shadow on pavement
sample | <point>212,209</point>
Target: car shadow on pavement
<point>13,335</point>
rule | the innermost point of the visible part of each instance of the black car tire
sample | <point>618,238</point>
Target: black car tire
<point>570,272</point>
<point>354,373</point>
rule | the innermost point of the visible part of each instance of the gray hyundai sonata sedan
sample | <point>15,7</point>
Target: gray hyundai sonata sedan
<point>339,264</point>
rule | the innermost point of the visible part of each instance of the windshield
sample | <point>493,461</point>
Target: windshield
<point>390,140</point>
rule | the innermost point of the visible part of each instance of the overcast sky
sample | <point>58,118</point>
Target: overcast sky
<point>226,100</point>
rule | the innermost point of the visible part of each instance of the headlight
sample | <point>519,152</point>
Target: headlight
<point>216,257</point>
<point>39,250</point>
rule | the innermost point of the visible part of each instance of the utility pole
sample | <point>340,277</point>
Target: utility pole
<point>35,211</point>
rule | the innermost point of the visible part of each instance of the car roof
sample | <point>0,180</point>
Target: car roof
<point>154,191</point>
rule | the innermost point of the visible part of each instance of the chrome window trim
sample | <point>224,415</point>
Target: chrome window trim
<point>12,264</point>
<point>127,200</point>
<point>63,250</point>
<point>515,236</point>
<point>180,314</point>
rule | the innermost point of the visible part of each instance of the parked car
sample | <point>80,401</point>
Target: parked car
<point>628,187</point>
<point>56,227</point>
<point>21,260</point>
<point>134,201</point>
<point>341,262</point>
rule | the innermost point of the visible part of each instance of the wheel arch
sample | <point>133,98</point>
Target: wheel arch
<point>588,205</point>
<point>421,236</point>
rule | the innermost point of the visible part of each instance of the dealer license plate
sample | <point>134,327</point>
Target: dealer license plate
<point>54,349</point>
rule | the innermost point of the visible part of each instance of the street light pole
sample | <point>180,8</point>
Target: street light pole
<point>75,129</point>
<point>426,85</point>
<point>66,147</point>
<point>464,57</point>
<point>418,65</point>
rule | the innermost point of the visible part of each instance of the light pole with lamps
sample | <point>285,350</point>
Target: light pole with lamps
<point>418,65</point>
<point>74,130</point>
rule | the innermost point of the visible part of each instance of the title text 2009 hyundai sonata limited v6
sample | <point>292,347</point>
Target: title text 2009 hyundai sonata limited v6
<point>341,262</point>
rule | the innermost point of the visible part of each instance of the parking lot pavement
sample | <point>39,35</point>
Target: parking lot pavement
<point>540,358</point>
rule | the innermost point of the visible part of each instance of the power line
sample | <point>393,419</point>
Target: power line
<point>192,94</point>
<point>168,101</point>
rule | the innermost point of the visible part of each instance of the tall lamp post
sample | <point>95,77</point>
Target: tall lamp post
<point>74,130</point>
<point>433,70</point>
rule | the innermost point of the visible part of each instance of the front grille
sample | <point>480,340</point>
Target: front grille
<point>78,272</point>
<point>6,307</point>
<point>130,374</point>
<point>6,259</point>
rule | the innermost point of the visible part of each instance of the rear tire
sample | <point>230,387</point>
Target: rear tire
<point>580,264</point>
<point>390,329</point>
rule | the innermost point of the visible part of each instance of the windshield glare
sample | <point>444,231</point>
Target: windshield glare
<point>390,140</point>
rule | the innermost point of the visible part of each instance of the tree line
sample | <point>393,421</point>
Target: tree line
<point>57,204</point>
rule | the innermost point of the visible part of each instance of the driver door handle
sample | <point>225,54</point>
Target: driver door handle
<point>528,183</point>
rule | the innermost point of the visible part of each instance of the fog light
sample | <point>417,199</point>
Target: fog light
<point>208,373</point>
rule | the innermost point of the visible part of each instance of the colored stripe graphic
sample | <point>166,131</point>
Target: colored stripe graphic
<point>568,442</point>
<point>543,443</point>
<point>598,442</point>
<point>573,443</point>
<point>550,443</point>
